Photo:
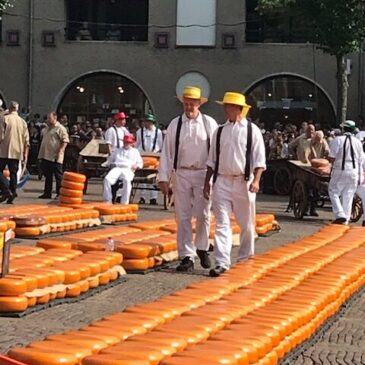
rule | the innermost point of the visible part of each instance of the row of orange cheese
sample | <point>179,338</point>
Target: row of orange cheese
<point>253,314</point>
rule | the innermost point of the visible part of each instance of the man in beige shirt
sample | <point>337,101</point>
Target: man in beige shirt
<point>14,147</point>
<point>51,154</point>
<point>301,146</point>
<point>319,146</point>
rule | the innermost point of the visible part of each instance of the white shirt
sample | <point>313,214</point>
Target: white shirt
<point>148,139</point>
<point>111,136</point>
<point>193,150</point>
<point>127,158</point>
<point>233,145</point>
<point>336,152</point>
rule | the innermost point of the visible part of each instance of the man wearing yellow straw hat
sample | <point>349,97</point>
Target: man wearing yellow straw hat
<point>236,162</point>
<point>184,162</point>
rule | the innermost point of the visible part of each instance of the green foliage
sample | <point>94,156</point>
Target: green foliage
<point>339,25</point>
<point>5,3</point>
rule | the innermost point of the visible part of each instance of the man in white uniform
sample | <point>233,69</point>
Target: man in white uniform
<point>149,139</point>
<point>126,161</point>
<point>115,134</point>
<point>183,160</point>
<point>346,157</point>
<point>236,162</point>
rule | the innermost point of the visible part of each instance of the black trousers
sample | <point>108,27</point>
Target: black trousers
<point>13,166</point>
<point>50,168</point>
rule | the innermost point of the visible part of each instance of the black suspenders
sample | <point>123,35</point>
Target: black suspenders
<point>348,138</point>
<point>248,152</point>
<point>116,132</point>
<point>178,132</point>
<point>154,140</point>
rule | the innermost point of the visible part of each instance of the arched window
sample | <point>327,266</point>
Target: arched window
<point>289,99</point>
<point>98,96</point>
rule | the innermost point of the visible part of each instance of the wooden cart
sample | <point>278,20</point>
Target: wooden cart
<point>310,187</point>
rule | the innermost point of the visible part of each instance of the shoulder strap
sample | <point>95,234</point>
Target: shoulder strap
<point>155,140</point>
<point>207,130</point>
<point>177,141</point>
<point>348,138</point>
<point>218,151</point>
<point>248,151</point>
<point>142,139</point>
<point>116,132</point>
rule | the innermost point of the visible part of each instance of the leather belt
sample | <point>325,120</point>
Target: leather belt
<point>192,168</point>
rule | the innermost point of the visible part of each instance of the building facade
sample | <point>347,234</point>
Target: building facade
<point>91,58</point>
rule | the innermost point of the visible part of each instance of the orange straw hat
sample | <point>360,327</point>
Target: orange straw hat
<point>236,99</point>
<point>192,92</point>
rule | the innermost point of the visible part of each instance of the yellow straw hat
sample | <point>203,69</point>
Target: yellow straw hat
<point>193,92</point>
<point>236,99</point>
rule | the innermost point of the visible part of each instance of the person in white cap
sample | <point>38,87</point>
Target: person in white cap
<point>346,156</point>
<point>236,163</point>
<point>184,162</point>
<point>149,139</point>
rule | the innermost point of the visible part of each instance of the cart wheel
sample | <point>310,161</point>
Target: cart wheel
<point>168,200</point>
<point>283,181</point>
<point>357,209</point>
<point>299,199</point>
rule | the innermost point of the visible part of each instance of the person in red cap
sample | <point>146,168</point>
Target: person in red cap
<point>115,134</point>
<point>124,161</point>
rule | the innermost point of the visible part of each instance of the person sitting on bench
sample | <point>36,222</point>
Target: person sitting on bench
<point>124,161</point>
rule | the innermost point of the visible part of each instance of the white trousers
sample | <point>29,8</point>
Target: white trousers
<point>341,189</point>
<point>151,193</point>
<point>118,173</point>
<point>361,193</point>
<point>189,201</point>
<point>231,194</point>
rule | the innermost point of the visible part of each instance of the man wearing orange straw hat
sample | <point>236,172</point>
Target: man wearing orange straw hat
<point>236,163</point>
<point>183,161</point>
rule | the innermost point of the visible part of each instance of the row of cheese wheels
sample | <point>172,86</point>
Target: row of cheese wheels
<point>55,273</point>
<point>221,324</point>
<point>72,188</point>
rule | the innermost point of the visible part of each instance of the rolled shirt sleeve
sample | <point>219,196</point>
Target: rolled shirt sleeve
<point>166,159</point>
<point>212,158</point>
<point>258,155</point>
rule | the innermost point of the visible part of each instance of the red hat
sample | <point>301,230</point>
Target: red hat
<point>120,115</point>
<point>129,138</point>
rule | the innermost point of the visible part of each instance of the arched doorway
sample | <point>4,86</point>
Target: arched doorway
<point>287,98</point>
<point>97,96</point>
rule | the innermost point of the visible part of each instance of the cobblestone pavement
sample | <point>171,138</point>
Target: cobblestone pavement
<point>342,345</point>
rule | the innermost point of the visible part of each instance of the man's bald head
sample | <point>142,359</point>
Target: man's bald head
<point>310,131</point>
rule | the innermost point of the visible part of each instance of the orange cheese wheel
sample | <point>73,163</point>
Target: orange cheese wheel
<point>27,231</point>
<point>61,294</point>
<point>134,251</point>
<point>43,299</point>
<point>114,258</point>
<point>31,282</point>
<point>136,264</point>
<point>12,287</point>
<point>73,291</point>
<point>69,200</point>
<point>31,356</point>
<point>113,275</point>
<point>72,185</point>
<point>319,162</point>
<point>13,304</point>
<point>104,278</point>
<point>93,282</point>
<point>113,359</point>
<point>42,279</point>
<point>73,176</point>
<point>84,286</point>
<point>32,302</point>
<point>103,264</point>
<point>72,275</point>
<point>72,193</point>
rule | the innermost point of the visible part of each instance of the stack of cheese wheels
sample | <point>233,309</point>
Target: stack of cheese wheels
<point>264,223</point>
<point>321,166</point>
<point>150,162</point>
<point>72,190</point>
<point>30,226</point>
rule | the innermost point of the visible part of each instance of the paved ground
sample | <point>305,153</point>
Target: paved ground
<point>344,343</point>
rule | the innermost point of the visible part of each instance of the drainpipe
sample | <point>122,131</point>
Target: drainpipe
<point>30,55</point>
<point>360,82</point>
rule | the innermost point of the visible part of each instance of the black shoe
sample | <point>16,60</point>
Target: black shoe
<point>5,196</point>
<point>214,273</point>
<point>153,202</point>
<point>45,196</point>
<point>211,248</point>
<point>204,259</point>
<point>142,201</point>
<point>363,223</point>
<point>339,221</point>
<point>186,264</point>
<point>313,213</point>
